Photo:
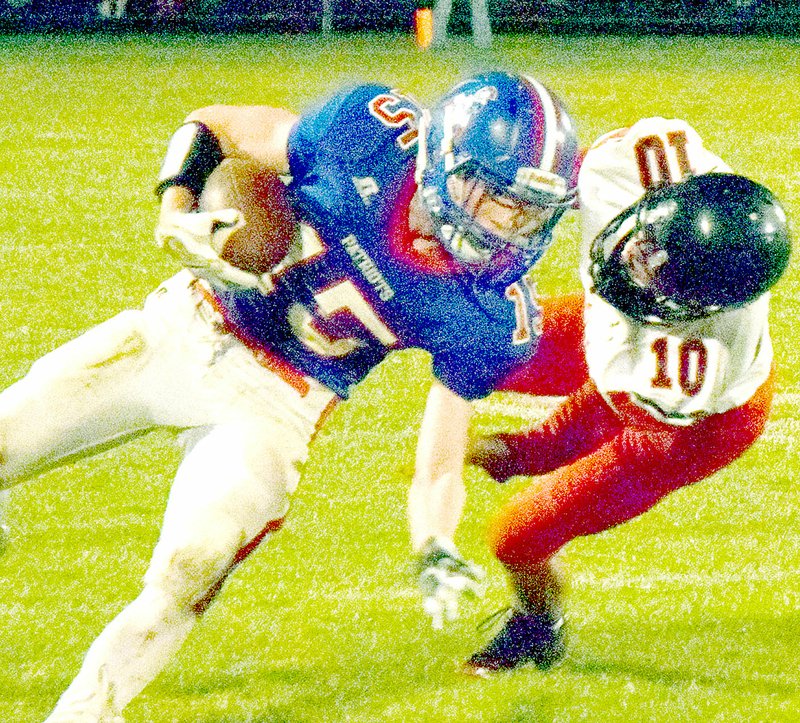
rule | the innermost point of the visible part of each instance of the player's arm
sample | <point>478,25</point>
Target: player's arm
<point>258,134</point>
<point>435,504</point>
<point>437,494</point>
<point>209,135</point>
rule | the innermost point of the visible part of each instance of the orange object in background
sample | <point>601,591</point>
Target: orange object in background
<point>423,27</point>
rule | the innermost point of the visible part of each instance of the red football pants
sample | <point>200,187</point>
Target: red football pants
<point>597,468</point>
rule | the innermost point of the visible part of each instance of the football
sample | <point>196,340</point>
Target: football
<point>269,221</point>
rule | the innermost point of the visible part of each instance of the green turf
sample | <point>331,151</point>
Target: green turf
<point>690,613</point>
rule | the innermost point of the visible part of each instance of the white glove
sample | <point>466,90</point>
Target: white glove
<point>444,578</point>
<point>197,239</point>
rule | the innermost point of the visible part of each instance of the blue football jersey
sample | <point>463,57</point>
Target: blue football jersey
<point>360,287</point>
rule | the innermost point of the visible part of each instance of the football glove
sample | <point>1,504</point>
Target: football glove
<point>444,577</point>
<point>494,455</point>
<point>197,239</point>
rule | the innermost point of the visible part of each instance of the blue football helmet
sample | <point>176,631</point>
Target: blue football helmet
<point>496,169</point>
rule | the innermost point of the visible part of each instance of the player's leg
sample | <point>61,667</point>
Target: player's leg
<point>441,17</point>
<point>230,492</point>
<point>619,481</point>
<point>534,632</point>
<point>580,424</point>
<point>481,26</point>
<point>140,369</point>
<point>83,394</point>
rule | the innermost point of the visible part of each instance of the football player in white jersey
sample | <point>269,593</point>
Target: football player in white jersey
<point>665,360</point>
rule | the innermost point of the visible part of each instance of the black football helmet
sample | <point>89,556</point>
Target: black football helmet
<point>687,250</point>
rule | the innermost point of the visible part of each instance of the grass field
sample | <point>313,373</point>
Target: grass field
<point>690,613</point>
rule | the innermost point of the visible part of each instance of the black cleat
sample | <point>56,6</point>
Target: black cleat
<point>524,639</point>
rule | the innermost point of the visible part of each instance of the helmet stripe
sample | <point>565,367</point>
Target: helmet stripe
<point>549,134</point>
<point>422,147</point>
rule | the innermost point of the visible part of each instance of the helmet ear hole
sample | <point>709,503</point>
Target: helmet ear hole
<point>713,242</point>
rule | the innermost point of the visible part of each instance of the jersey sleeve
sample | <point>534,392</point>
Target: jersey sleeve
<point>312,131</point>
<point>358,113</point>
<point>470,372</point>
<point>476,351</point>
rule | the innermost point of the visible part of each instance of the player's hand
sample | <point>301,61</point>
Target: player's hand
<point>197,239</point>
<point>199,235</point>
<point>493,454</point>
<point>445,578</point>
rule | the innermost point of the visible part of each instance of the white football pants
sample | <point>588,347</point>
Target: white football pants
<point>245,430</point>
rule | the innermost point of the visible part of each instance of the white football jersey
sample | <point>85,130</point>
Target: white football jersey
<point>681,372</point>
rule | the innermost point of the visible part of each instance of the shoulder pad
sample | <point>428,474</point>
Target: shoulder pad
<point>374,115</point>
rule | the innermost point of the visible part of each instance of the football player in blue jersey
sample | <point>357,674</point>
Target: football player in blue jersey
<point>415,229</point>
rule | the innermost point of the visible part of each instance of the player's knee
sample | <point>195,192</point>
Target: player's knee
<point>191,571</point>
<point>495,541</point>
<point>516,545</point>
<point>277,472</point>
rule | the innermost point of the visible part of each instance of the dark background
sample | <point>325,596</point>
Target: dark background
<point>779,17</point>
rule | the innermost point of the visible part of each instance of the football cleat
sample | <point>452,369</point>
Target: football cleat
<point>524,639</point>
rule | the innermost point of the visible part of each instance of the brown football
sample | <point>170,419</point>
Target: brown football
<point>261,197</point>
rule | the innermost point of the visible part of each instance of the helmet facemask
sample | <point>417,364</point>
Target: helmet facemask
<point>646,265</point>
<point>486,219</point>
<point>631,270</point>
